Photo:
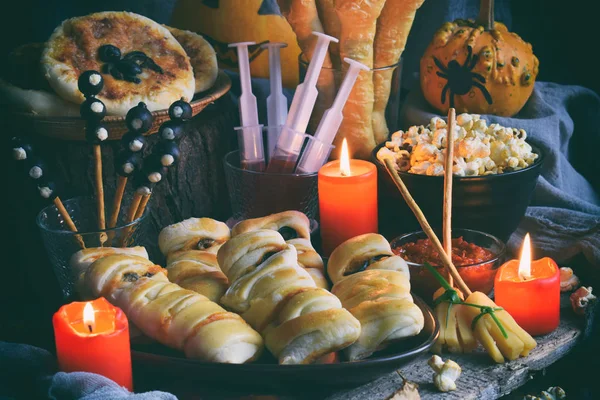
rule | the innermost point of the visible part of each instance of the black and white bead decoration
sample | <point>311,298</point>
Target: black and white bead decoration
<point>21,150</point>
<point>93,110</point>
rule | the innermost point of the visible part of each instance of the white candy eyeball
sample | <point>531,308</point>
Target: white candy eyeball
<point>19,153</point>
<point>128,168</point>
<point>45,192</point>
<point>95,79</point>
<point>36,172</point>
<point>135,145</point>
<point>177,111</point>
<point>102,134</point>
<point>168,134</point>
<point>155,177</point>
<point>97,107</point>
<point>167,160</point>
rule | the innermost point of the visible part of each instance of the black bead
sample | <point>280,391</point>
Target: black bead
<point>21,149</point>
<point>36,169</point>
<point>85,85</point>
<point>133,141</point>
<point>171,130</point>
<point>153,169</point>
<point>168,152</point>
<point>88,113</point>
<point>47,190</point>
<point>139,119</point>
<point>141,182</point>
<point>109,53</point>
<point>180,110</point>
<point>96,132</point>
<point>127,163</point>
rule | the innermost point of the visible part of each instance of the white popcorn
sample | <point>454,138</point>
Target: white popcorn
<point>479,149</point>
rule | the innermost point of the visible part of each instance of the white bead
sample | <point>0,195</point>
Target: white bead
<point>19,153</point>
<point>36,172</point>
<point>177,111</point>
<point>45,192</point>
<point>144,190</point>
<point>97,107</point>
<point>135,145</point>
<point>168,134</point>
<point>102,134</point>
<point>136,123</point>
<point>167,160</point>
<point>128,168</point>
<point>95,79</point>
<point>155,177</point>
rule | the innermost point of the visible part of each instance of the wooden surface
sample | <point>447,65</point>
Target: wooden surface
<point>481,378</point>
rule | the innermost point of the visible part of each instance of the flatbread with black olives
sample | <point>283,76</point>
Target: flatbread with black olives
<point>74,48</point>
<point>202,56</point>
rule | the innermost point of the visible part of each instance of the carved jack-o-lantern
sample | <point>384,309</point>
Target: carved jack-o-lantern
<point>229,21</point>
<point>478,71</point>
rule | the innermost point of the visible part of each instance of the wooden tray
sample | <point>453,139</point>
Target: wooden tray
<point>157,367</point>
<point>73,128</point>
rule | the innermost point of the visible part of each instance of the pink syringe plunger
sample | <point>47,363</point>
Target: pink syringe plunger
<point>318,148</point>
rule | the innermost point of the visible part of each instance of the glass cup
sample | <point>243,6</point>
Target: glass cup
<point>392,110</point>
<point>255,194</point>
<point>61,243</point>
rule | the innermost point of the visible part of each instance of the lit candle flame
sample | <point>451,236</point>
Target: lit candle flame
<point>525,262</point>
<point>345,160</point>
<point>89,317</point>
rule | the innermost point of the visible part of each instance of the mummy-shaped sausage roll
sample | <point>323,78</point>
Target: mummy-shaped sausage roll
<point>191,247</point>
<point>299,321</point>
<point>294,226</point>
<point>373,284</point>
<point>171,315</point>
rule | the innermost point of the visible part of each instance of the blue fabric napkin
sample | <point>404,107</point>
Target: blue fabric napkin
<point>564,215</point>
<point>28,372</point>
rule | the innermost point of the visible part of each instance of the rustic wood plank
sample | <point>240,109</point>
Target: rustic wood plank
<point>480,379</point>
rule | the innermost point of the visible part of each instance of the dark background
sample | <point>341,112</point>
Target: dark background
<point>563,34</point>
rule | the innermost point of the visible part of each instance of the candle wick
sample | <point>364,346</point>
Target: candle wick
<point>343,173</point>
<point>90,328</point>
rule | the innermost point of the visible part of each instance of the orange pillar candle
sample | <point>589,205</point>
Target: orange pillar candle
<point>347,200</point>
<point>530,291</point>
<point>94,337</point>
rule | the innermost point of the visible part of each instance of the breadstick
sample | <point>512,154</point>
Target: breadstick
<point>358,21</point>
<point>303,17</point>
<point>393,27</point>
<point>332,26</point>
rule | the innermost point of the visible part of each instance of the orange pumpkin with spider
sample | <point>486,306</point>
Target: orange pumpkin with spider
<point>478,71</point>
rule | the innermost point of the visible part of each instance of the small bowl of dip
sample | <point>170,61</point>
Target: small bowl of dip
<point>476,255</point>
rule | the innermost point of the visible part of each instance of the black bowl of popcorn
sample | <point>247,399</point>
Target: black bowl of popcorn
<point>495,174</point>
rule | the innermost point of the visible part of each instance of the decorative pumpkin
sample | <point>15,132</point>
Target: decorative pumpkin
<point>478,71</point>
<point>229,21</point>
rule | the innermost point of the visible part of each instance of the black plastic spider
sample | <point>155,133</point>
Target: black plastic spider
<point>460,78</point>
<point>128,67</point>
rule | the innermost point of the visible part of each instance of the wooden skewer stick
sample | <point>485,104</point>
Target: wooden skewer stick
<point>99,187</point>
<point>116,207</point>
<point>65,214</point>
<point>142,206</point>
<point>447,223</point>
<point>133,207</point>
<point>426,227</point>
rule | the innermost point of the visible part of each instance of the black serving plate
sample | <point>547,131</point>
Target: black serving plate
<point>156,367</point>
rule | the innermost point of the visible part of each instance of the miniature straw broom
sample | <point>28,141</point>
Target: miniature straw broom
<point>493,327</point>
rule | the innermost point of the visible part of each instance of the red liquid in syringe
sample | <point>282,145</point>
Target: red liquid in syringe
<point>257,166</point>
<point>282,165</point>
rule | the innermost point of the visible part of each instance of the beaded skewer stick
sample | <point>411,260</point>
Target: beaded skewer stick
<point>90,83</point>
<point>139,120</point>
<point>167,153</point>
<point>36,169</point>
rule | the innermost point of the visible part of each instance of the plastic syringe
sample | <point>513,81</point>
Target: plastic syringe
<point>293,133</point>
<point>276,102</point>
<point>250,141</point>
<point>319,146</point>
